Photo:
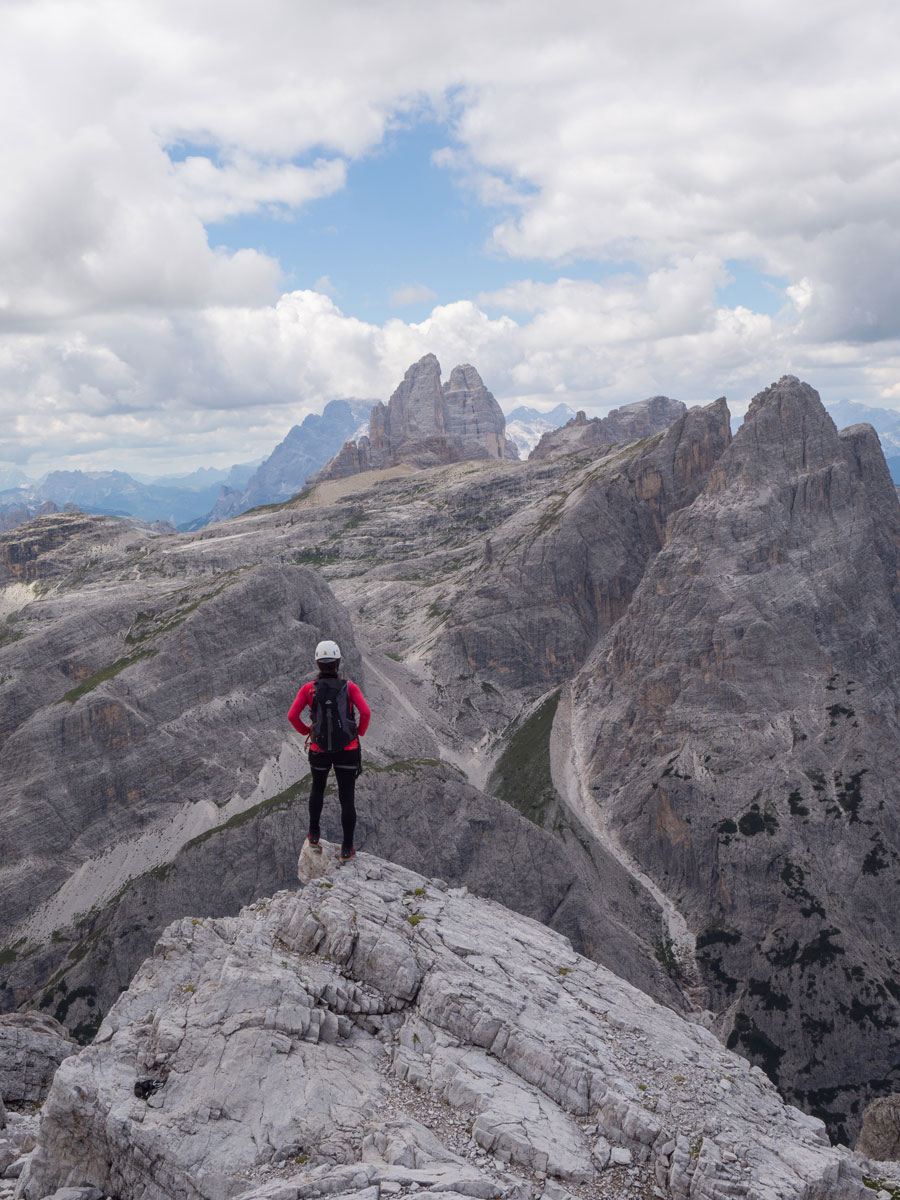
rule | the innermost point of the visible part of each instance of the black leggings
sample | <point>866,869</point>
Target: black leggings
<point>346,764</point>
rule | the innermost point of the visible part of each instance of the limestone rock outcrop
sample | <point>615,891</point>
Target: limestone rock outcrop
<point>427,423</point>
<point>378,1029</point>
<point>640,419</point>
<point>879,1137</point>
<point>56,544</point>
<point>32,1045</point>
<point>738,733</point>
<point>415,811</point>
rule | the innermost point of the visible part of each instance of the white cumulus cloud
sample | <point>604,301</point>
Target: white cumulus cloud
<point>659,141</point>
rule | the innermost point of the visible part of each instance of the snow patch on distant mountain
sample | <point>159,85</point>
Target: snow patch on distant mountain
<point>526,426</point>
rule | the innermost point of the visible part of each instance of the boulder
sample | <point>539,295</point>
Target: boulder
<point>32,1045</point>
<point>879,1137</point>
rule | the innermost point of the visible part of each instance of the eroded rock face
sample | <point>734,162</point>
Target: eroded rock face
<point>378,1026</point>
<point>879,1138</point>
<point>641,419</point>
<point>32,1045</point>
<point>740,729</point>
<point>556,576</point>
<point>53,545</point>
<point>127,711</point>
<point>427,423</point>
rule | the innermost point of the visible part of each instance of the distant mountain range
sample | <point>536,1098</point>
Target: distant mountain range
<point>114,493</point>
<point>211,494</point>
<point>526,426</point>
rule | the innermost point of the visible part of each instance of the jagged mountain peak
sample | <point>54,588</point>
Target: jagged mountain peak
<point>786,429</point>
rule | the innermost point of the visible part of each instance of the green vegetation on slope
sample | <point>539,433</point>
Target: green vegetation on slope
<point>522,774</point>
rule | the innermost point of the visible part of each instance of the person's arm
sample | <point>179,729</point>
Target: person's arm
<point>301,701</point>
<point>358,700</point>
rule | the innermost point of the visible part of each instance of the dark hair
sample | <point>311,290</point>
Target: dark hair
<point>329,670</point>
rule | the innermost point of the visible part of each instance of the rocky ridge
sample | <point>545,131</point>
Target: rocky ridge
<point>300,454</point>
<point>737,731</point>
<point>427,423</point>
<point>640,419</point>
<point>379,1033</point>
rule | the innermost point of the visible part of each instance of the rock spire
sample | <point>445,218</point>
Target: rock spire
<point>427,423</point>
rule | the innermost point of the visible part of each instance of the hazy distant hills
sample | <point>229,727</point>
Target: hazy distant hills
<point>113,493</point>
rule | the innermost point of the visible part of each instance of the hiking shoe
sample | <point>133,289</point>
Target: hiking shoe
<point>313,843</point>
<point>347,852</point>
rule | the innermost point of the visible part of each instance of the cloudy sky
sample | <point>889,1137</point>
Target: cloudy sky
<point>216,216</point>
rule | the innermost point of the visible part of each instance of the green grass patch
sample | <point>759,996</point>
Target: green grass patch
<point>110,672</point>
<point>522,775</point>
<point>550,517</point>
<point>8,631</point>
<point>281,801</point>
<point>10,953</point>
<point>409,766</point>
<point>879,1185</point>
<point>355,521</point>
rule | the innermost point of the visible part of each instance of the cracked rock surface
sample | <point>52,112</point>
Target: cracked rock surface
<point>32,1045</point>
<point>379,1033</point>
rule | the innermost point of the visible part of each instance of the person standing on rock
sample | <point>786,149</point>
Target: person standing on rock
<point>339,716</point>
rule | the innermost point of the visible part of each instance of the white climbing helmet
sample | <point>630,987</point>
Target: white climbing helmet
<point>328,652</point>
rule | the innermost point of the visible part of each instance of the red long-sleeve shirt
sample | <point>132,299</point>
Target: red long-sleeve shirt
<point>304,699</point>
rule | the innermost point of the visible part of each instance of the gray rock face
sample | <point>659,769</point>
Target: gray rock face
<point>739,728</point>
<point>379,1028</point>
<point>415,811</point>
<point>548,586</point>
<point>32,1045</point>
<point>303,452</point>
<point>428,424</point>
<point>53,546</point>
<point>641,419</point>
<point>143,711</point>
<point>879,1137</point>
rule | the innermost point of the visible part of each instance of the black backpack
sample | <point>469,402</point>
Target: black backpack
<point>333,727</point>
